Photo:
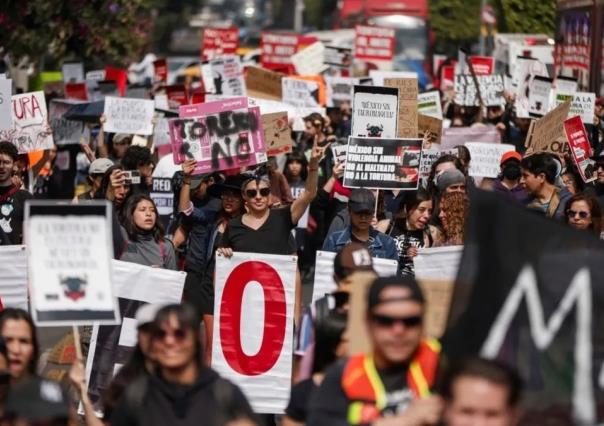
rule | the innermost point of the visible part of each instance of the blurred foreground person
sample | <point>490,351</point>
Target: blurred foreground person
<point>19,333</point>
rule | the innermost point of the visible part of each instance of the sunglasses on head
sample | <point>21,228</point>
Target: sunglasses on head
<point>572,213</point>
<point>388,321</point>
<point>251,193</point>
<point>179,334</point>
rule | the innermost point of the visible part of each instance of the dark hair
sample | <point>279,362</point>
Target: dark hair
<point>316,120</point>
<point>187,318</point>
<point>8,148</point>
<point>300,158</point>
<point>446,158</point>
<point>136,156</point>
<point>133,368</point>
<point>328,334</point>
<point>492,371</point>
<point>131,229</point>
<point>463,153</point>
<point>541,162</point>
<point>106,181</point>
<point>411,202</point>
<point>17,314</point>
<point>594,209</point>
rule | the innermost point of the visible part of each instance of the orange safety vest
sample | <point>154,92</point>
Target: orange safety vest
<point>364,388</point>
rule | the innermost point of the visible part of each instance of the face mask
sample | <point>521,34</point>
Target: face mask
<point>511,171</point>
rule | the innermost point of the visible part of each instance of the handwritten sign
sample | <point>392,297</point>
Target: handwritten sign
<point>30,130</point>
<point>132,116</point>
<point>65,132</point>
<point>486,158</point>
<point>309,61</point>
<point>263,83</point>
<point>407,105</point>
<point>580,148</point>
<point>300,93</point>
<point>544,134</point>
<point>277,133</point>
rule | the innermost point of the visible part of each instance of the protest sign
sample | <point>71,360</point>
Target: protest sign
<point>374,44</point>
<point>69,248</point>
<point>429,156</point>
<point>295,114</point>
<point>300,93</point>
<point>6,117</point>
<point>482,65</point>
<point>580,148</point>
<point>277,49</point>
<point>324,283</point>
<point>160,70</point>
<point>220,135</point>
<point>65,132</point>
<point>447,77</point>
<point>120,77</point>
<point>137,92</point>
<point>566,85</point>
<point>438,263</point>
<point>107,88</point>
<point>491,90</point>
<point>30,130</point>
<point>277,133</point>
<point>583,104</point>
<point>339,152</point>
<point>256,353</point>
<point>132,116</point>
<point>379,77</point>
<point>339,90</point>
<point>163,196</point>
<point>76,91</point>
<point>13,270</point>
<point>261,83</point>
<point>95,75</point>
<point>359,340</point>
<point>335,56</point>
<point>161,132</point>
<point>429,128</point>
<point>112,346</point>
<point>455,136</point>
<point>486,158</point>
<point>309,61</point>
<point>544,133</point>
<point>539,96</point>
<point>217,42</point>
<point>177,95</point>
<point>428,103</point>
<point>383,163</point>
<point>227,77</point>
<point>374,112</point>
<point>73,72</point>
<point>407,105</point>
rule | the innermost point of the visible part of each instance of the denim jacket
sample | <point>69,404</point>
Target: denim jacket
<point>379,245</point>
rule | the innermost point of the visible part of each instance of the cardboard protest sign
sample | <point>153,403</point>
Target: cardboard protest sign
<point>357,332</point>
<point>375,112</point>
<point>277,49</point>
<point>13,270</point>
<point>163,196</point>
<point>379,77</point>
<point>309,61</point>
<point>580,148</point>
<point>30,130</point>
<point>486,158</point>
<point>69,248</point>
<point>76,91</point>
<point>335,56</point>
<point>263,83</point>
<point>300,93</point>
<point>132,116</point>
<point>220,135</point>
<point>339,90</point>
<point>374,44</point>
<point>539,96</point>
<point>323,281</point>
<point>227,77</point>
<point>277,133</point>
<point>429,128</point>
<point>383,163</point>
<point>455,136</point>
<point>256,354</point>
<point>491,90</point>
<point>160,70</point>
<point>407,106</point>
<point>112,346</point>
<point>73,72</point>
<point>217,42</point>
<point>6,117</point>
<point>428,103</point>
<point>482,65</point>
<point>65,132</point>
<point>544,133</point>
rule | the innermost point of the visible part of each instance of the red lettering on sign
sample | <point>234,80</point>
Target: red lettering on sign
<point>275,316</point>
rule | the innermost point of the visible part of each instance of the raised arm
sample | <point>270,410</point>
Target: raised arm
<point>300,205</point>
<point>100,139</point>
<point>184,203</point>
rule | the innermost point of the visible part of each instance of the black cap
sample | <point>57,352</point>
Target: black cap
<point>361,200</point>
<point>37,399</point>
<point>373,296</point>
<point>232,183</point>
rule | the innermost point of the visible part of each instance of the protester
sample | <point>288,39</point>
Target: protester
<point>19,333</point>
<point>361,208</point>
<point>139,159</point>
<point>119,144</point>
<point>395,380</point>
<point>96,171</point>
<point>182,391</point>
<point>481,392</point>
<point>508,181</point>
<point>12,198</point>
<point>5,375</point>
<point>54,182</point>
<point>570,180</point>
<point>443,163</point>
<point>454,210</point>
<point>451,181</point>
<point>583,212</point>
<point>115,187</point>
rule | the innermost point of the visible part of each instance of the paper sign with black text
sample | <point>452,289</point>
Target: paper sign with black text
<point>218,42</point>
<point>300,93</point>
<point>255,353</point>
<point>132,116</point>
<point>454,136</point>
<point>227,78</point>
<point>566,85</point>
<point>65,132</point>
<point>30,129</point>
<point>407,105</point>
<point>374,112</point>
<point>583,105</point>
<point>491,90</point>
<point>580,148</point>
<point>73,72</point>
<point>13,270</point>
<point>309,61</point>
<point>6,117</point>
<point>429,156</point>
<point>428,103</point>
<point>539,96</point>
<point>339,90</point>
<point>486,158</point>
<point>383,163</point>
<point>336,56</point>
<point>339,152</point>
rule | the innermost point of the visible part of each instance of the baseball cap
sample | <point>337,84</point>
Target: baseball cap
<point>121,137</point>
<point>448,178</point>
<point>99,166</point>
<point>376,288</point>
<point>361,200</point>
<point>509,156</point>
<point>37,399</point>
<point>146,314</point>
<point>353,257</point>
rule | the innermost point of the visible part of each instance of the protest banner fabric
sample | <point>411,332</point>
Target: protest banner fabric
<point>132,116</point>
<point>73,72</point>
<point>486,158</point>
<point>65,132</point>
<point>277,49</point>
<point>544,133</point>
<point>482,65</point>
<point>336,56</point>
<point>428,103</point>
<point>13,270</point>
<point>6,117</point>
<point>407,105</point>
<point>219,41</point>
<point>265,84</point>
<point>160,70</point>
<point>454,136</point>
<point>375,112</point>
<point>580,148</point>
<point>112,346</point>
<point>539,96</point>
<point>30,130</point>
<point>382,163</point>
<point>373,43</point>
<point>491,90</point>
<point>227,77</point>
<point>429,128</point>
<point>220,135</point>
<point>69,248</point>
<point>339,90</point>
<point>438,263</point>
<point>323,281</point>
<point>256,354</point>
<point>309,61</point>
<point>277,133</point>
<point>300,93</point>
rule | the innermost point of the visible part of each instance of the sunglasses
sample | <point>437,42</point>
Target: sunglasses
<point>179,335</point>
<point>582,215</point>
<point>386,321</point>
<point>251,193</point>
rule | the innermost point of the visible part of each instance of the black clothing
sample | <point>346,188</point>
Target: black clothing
<point>12,210</point>
<point>299,400</point>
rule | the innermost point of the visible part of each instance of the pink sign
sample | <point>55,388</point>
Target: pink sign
<point>483,65</point>
<point>580,148</point>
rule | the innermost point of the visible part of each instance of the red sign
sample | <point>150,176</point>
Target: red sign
<point>483,65</point>
<point>160,70</point>
<point>276,50</point>
<point>177,95</point>
<point>373,43</point>
<point>580,147</point>
<point>120,77</point>
<point>218,42</point>
<point>447,76</point>
<point>76,91</point>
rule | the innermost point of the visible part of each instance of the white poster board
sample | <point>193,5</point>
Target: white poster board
<point>253,326</point>
<point>309,61</point>
<point>428,103</point>
<point>30,130</point>
<point>73,72</point>
<point>300,93</point>
<point>225,76</point>
<point>439,263</point>
<point>132,116</point>
<point>486,158</point>
<point>13,270</point>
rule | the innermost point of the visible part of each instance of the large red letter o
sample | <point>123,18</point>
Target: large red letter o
<point>275,316</point>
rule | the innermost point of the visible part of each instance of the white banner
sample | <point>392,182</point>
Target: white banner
<point>486,158</point>
<point>13,270</point>
<point>300,93</point>
<point>253,326</point>
<point>324,282</point>
<point>440,263</point>
<point>73,72</point>
<point>132,116</point>
<point>6,117</point>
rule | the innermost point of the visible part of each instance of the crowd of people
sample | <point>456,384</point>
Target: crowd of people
<point>293,204</point>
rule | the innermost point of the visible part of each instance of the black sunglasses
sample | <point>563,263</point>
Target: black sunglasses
<point>251,193</point>
<point>179,334</point>
<point>387,321</point>
<point>572,213</point>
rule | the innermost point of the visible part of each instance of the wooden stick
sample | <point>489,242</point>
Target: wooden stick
<point>77,343</point>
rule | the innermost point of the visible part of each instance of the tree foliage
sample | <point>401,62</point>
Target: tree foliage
<point>532,16</point>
